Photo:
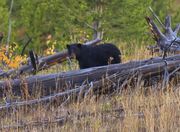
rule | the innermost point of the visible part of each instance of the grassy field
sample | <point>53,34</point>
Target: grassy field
<point>133,110</point>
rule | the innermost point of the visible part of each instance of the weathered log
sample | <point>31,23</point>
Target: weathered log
<point>48,84</point>
<point>167,41</point>
<point>44,62</point>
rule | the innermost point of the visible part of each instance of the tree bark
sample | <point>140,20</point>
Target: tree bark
<point>59,82</point>
<point>167,41</point>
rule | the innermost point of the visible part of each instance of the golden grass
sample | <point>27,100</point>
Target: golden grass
<point>129,111</point>
<point>132,110</point>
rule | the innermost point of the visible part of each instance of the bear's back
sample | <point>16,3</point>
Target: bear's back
<point>107,47</point>
<point>99,55</point>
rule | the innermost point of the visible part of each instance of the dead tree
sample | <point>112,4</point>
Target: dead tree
<point>168,41</point>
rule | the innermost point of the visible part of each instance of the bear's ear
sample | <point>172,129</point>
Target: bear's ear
<point>67,46</point>
<point>79,45</point>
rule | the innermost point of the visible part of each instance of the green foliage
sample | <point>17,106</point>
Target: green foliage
<point>68,20</point>
<point>56,17</point>
<point>3,17</point>
<point>126,19</point>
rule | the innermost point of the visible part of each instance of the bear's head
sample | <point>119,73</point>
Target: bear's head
<point>74,49</point>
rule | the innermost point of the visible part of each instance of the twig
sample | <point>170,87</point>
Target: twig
<point>69,62</point>
<point>81,92</point>
<point>176,30</point>
<point>157,17</point>
<point>166,49</point>
<point>128,79</point>
<point>173,72</point>
<point>90,89</point>
<point>33,61</point>
<point>26,44</point>
<point>166,76</point>
<point>155,30</point>
<point>66,101</point>
<point>93,28</point>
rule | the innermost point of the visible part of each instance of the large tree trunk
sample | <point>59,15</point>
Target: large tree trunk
<point>48,84</point>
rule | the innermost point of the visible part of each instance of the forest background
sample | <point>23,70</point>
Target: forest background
<point>55,23</point>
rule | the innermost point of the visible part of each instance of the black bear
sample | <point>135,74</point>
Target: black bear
<point>91,56</point>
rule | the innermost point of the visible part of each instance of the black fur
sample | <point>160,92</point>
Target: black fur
<point>91,56</point>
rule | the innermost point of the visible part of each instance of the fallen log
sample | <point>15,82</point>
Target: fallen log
<point>44,62</point>
<point>59,82</point>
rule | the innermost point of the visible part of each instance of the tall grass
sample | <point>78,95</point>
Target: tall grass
<point>140,109</point>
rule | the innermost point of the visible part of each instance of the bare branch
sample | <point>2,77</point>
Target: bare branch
<point>176,30</point>
<point>156,31</point>
<point>168,22</point>
<point>157,17</point>
<point>27,43</point>
<point>33,60</point>
<point>169,32</point>
<point>95,28</point>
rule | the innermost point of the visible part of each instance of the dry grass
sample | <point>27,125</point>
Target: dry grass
<point>129,111</point>
<point>132,110</point>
